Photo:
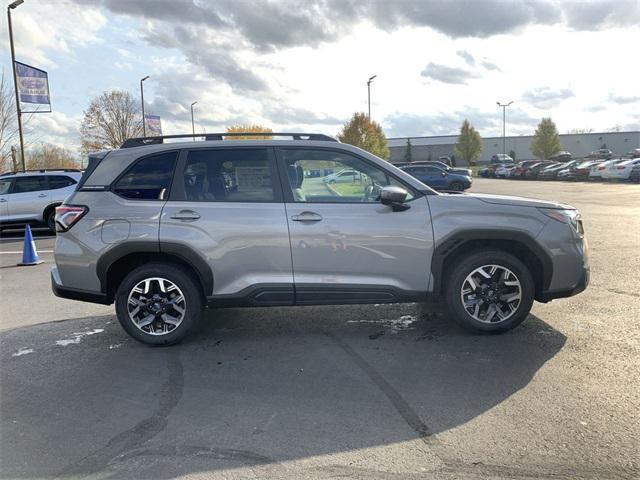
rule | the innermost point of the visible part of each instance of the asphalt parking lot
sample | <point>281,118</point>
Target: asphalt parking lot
<point>369,392</point>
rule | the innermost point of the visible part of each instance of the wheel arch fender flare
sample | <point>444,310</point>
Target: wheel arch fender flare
<point>157,250</point>
<point>455,243</point>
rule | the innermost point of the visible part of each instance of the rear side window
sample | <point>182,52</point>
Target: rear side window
<point>148,178</point>
<point>60,181</point>
<point>4,186</point>
<point>34,183</point>
<point>228,175</point>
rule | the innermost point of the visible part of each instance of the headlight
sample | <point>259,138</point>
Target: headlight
<point>571,217</point>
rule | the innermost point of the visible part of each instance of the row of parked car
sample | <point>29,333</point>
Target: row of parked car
<point>626,168</point>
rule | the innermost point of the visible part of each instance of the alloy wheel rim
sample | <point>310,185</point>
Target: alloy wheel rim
<point>491,294</point>
<point>156,306</point>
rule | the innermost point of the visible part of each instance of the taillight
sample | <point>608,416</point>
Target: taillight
<point>601,168</point>
<point>621,167</point>
<point>68,215</point>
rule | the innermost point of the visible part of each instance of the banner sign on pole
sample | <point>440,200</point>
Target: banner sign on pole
<point>33,84</point>
<point>153,124</point>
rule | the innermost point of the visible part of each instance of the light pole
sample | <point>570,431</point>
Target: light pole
<point>144,120</point>
<point>369,94</point>
<point>504,121</point>
<point>10,7</point>
<point>193,125</point>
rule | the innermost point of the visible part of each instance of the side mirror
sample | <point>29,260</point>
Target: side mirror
<point>394,197</point>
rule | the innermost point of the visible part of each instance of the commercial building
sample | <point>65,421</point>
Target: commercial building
<point>579,144</point>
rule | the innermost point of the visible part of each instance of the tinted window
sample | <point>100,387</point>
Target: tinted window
<point>29,184</point>
<point>60,181</point>
<point>4,186</point>
<point>148,179</point>
<point>228,175</point>
<point>362,184</point>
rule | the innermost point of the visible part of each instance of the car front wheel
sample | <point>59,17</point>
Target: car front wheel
<point>158,304</point>
<point>456,186</point>
<point>489,291</point>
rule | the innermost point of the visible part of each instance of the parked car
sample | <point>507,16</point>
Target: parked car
<point>578,172</point>
<point>634,175</point>
<point>621,170</point>
<point>31,197</point>
<point>551,172</point>
<point>445,159</point>
<point>501,158</point>
<point>532,172</point>
<point>561,157</point>
<point>438,178</point>
<point>155,229</point>
<point>505,171</point>
<point>635,153</point>
<point>603,153</point>
<point>490,170</point>
<point>443,166</point>
<point>347,175</point>
<point>598,170</point>
<point>521,168</point>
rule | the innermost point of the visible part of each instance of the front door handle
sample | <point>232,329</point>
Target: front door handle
<point>186,215</point>
<point>3,200</point>
<point>307,217</point>
<point>42,195</point>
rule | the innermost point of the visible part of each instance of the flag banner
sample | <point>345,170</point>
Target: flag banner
<point>33,84</point>
<point>154,126</point>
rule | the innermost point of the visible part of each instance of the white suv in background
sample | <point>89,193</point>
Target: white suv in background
<point>32,196</point>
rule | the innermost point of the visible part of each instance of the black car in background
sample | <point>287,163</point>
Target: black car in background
<point>634,176</point>
<point>531,173</point>
<point>551,172</point>
<point>561,157</point>
<point>435,163</point>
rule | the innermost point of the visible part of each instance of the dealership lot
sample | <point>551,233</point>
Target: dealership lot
<point>361,392</point>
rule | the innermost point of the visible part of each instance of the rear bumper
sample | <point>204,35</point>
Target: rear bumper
<point>76,294</point>
<point>549,295</point>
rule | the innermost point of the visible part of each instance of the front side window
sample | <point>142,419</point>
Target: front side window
<point>345,179</point>
<point>60,181</point>
<point>34,183</point>
<point>148,179</point>
<point>228,175</point>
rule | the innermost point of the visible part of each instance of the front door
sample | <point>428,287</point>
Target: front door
<point>346,246</point>
<point>29,197</point>
<point>226,206</point>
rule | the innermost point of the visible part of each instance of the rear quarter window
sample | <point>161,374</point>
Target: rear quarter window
<point>148,178</point>
<point>60,181</point>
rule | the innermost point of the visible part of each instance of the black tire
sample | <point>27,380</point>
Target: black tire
<point>178,276</point>
<point>456,186</point>
<point>51,220</point>
<point>467,264</point>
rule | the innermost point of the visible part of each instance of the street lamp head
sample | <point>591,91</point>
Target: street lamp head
<point>144,78</point>
<point>371,79</point>
<point>194,103</point>
<point>16,4</point>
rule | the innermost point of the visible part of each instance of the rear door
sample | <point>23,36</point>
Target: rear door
<point>28,198</point>
<point>226,205</point>
<point>346,246</point>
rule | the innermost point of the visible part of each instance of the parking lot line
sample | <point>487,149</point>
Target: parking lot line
<point>20,251</point>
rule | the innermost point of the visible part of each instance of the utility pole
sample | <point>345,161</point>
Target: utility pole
<point>193,125</point>
<point>369,94</point>
<point>504,122</point>
<point>144,120</point>
<point>12,6</point>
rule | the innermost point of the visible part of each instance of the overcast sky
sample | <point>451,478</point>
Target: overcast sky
<point>303,65</point>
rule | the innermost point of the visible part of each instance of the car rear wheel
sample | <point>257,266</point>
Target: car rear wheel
<point>456,186</point>
<point>51,220</point>
<point>158,304</point>
<point>489,291</point>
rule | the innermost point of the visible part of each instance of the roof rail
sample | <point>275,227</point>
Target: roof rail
<point>142,141</point>
<point>41,170</point>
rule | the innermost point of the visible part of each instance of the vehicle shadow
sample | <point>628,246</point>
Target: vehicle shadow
<point>254,388</point>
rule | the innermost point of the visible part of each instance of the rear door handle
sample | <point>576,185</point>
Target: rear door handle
<point>307,217</point>
<point>186,215</point>
<point>42,195</point>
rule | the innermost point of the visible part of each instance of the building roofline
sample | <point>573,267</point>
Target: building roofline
<point>514,136</point>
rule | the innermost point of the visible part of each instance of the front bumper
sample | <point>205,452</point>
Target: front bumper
<point>549,295</point>
<point>75,293</point>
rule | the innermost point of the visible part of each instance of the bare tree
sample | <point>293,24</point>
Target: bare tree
<point>109,120</point>
<point>50,156</point>
<point>8,122</point>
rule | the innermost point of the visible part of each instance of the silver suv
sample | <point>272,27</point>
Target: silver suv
<point>165,229</point>
<point>32,196</point>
